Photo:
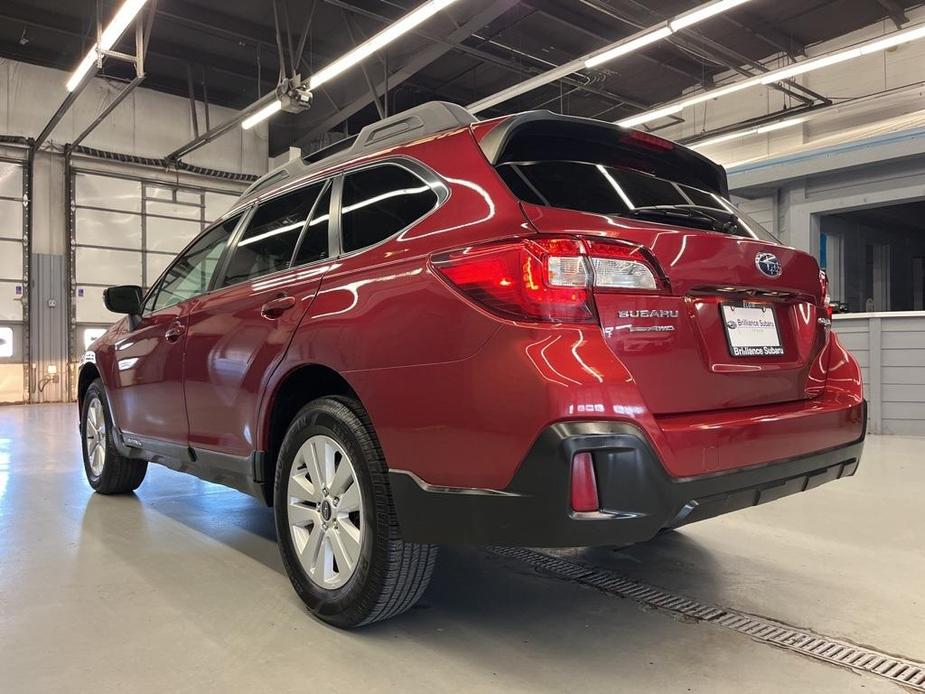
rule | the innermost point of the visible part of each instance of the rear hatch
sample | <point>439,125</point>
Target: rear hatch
<point>735,322</point>
<point>678,343</point>
<point>733,319</point>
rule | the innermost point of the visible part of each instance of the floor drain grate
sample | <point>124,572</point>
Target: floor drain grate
<point>903,672</point>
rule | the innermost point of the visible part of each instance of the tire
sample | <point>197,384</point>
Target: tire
<point>111,473</point>
<point>346,578</point>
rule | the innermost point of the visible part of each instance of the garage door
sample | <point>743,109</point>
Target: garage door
<point>12,256</point>
<point>126,231</point>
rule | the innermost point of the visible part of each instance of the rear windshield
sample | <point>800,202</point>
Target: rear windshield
<point>612,190</point>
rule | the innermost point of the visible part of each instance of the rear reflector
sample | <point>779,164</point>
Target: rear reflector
<point>584,484</point>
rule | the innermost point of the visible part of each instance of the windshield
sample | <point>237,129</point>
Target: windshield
<point>625,192</point>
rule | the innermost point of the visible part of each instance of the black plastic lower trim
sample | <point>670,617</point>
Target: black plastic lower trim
<point>638,498</point>
<point>211,466</point>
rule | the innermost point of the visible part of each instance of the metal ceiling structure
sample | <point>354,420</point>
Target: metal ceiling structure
<point>232,52</point>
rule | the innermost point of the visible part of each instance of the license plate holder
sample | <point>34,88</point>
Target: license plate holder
<point>751,330</point>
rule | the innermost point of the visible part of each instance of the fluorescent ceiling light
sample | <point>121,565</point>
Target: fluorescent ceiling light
<point>108,39</point>
<point>779,125</point>
<point>628,47</point>
<point>619,48</point>
<point>651,115</point>
<point>262,114</point>
<point>759,130</point>
<point>720,91</point>
<point>809,65</point>
<point>699,14</point>
<point>897,38</point>
<point>379,41</point>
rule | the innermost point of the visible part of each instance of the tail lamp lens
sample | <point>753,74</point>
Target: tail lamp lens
<point>826,297</point>
<point>548,279</point>
<point>620,266</point>
<point>584,484</point>
<point>521,280</point>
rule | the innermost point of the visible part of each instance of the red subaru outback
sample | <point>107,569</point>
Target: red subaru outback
<point>534,330</point>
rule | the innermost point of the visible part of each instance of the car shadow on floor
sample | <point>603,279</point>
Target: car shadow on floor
<point>236,520</point>
<point>246,525</point>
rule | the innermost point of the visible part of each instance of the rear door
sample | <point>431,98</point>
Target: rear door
<point>238,333</point>
<point>147,396</point>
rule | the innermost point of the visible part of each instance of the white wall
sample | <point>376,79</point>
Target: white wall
<point>904,65</point>
<point>147,123</point>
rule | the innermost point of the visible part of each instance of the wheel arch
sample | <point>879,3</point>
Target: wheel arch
<point>87,374</point>
<point>297,388</point>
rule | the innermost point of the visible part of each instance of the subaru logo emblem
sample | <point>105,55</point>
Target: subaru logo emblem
<point>768,264</point>
<point>731,324</point>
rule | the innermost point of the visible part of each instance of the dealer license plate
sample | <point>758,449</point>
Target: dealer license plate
<point>751,330</point>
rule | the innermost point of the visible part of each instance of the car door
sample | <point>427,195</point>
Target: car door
<point>237,334</point>
<point>147,391</point>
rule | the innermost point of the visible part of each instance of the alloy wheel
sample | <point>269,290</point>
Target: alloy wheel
<point>95,436</point>
<point>325,512</point>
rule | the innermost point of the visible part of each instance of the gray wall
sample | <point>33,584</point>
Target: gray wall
<point>891,350</point>
<point>807,187</point>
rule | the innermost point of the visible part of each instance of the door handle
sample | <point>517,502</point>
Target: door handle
<point>175,332</point>
<point>277,307</point>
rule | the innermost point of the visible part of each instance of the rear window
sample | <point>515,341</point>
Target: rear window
<point>381,201</point>
<point>589,187</point>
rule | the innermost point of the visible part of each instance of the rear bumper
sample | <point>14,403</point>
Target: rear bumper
<point>638,498</point>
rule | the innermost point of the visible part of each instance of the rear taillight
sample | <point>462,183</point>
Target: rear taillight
<point>547,279</point>
<point>621,266</point>
<point>826,298</point>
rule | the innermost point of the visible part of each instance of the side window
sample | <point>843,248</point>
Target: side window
<point>381,201</point>
<point>192,272</point>
<point>271,236</point>
<point>314,245</point>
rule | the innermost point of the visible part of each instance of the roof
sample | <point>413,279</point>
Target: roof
<point>402,128</point>
<point>436,117</point>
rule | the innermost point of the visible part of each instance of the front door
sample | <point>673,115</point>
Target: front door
<point>147,396</point>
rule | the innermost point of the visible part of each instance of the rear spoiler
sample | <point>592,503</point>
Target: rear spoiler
<point>547,136</point>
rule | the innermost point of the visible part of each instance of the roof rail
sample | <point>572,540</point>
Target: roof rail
<point>427,119</point>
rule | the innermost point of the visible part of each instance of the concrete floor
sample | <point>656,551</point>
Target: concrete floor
<point>180,589</point>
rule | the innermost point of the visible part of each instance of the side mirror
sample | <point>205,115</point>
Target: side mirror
<point>124,299</point>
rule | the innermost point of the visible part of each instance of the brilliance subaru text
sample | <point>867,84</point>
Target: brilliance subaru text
<point>535,330</point>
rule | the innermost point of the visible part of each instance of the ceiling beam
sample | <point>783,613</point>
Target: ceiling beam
<point>687,69</point>
<point>695,42</point>
<point>483,56</point>
<point>161,49</point>
<point>141,26</point>
<point>895,12</point>
<point>218,24</point>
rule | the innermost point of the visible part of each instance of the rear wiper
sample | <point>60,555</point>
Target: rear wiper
<point>690,215</point>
